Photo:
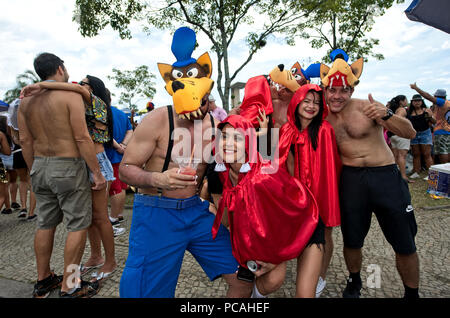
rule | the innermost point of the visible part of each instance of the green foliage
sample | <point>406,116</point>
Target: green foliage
<point>133,84</point>
<point>22,80</point>
<point>344,24</point>
<point>94,15</point>
<point>334,23</point>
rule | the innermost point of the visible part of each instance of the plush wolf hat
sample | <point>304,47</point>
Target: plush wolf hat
<point>188,80</point>
<point>341,73</point>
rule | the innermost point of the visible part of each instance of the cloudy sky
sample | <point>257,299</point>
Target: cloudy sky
<point>413,52</point>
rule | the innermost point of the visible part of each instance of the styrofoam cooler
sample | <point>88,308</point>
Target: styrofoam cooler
<point>439,180</point>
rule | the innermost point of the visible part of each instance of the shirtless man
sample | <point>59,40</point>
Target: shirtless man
<point>371,181</point>
<point>168,215</point>
<point>165,225</point>
<point>57,154</point>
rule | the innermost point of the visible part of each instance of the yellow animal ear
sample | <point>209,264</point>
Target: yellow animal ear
<point>357,67</point>
<point>324,69</point>
<point>205,61</point>
<point>165,70</point>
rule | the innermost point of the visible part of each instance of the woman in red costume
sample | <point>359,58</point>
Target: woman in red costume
<point>271,214</point>
<point>308,148</point>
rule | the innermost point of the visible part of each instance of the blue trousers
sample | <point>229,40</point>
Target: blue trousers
<point>162,230</point>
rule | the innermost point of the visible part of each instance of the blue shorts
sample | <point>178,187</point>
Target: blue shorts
<point>423,138</point>
<point>106,167</point>
<point>161,231</point>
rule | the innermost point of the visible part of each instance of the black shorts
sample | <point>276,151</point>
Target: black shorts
<point>381,190</point>
<point>19,161</point>
<point>318,236</point>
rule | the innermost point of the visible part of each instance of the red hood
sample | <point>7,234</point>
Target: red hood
<point>241,123</point>
<point>256,96</point>
<point>299,96</point>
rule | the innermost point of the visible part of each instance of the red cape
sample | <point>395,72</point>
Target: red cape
<point>256,96</point>
<point>271,216</point>
<point>318,169</point>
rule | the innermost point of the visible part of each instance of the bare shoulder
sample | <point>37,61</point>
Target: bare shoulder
<point>401,112</point>
<point>153,123</point>
<point>156,118</point>
<point>24,104</point>
<point>67,95</point>
<point>357,103</point>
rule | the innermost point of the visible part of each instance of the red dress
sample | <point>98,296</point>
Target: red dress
<point>272,215</point>
<point>318,169</point>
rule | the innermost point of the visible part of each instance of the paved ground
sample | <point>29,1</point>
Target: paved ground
<point>18,266</point>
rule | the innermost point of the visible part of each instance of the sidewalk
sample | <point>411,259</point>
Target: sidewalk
<point>18,265</point>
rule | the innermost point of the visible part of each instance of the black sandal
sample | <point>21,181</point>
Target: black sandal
<point>43,287</point>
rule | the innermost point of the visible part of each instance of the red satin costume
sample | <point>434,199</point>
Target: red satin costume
<point>271,216</point>
<point>256,96</point>
<point>318,169</point>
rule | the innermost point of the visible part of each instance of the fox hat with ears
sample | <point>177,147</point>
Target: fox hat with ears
<point>341,73</point>
<point>188,80</point>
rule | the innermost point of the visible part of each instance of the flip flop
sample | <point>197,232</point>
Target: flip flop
<point>84,269</point>
<point>102,275</point>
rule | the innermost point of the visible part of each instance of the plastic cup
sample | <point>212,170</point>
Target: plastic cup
<point>187,165</point>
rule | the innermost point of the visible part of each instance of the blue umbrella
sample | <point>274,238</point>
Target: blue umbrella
<point>3,106</point>
<point>432,12</point>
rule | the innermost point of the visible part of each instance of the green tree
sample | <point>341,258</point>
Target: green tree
<point>344,24</point>
<point>134,85</point>
<point>22,80</point>
<point>335,23</point>
<point>218,19</point>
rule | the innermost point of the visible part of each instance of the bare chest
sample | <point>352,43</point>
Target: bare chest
<point>185,139</point>
<point>353,126</point>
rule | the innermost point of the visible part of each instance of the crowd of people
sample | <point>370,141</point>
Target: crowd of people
<point>430,145</point>
<point>242,214</point>
<point>14,174</point>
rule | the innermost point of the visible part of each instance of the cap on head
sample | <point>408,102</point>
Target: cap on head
<point>211,98</point>
<point>440,93</point>
<point>417,97</point>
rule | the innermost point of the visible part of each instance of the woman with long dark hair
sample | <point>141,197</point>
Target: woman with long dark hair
<point>308,144</point>
<point>421,118</point>
<point>400,146</point>
<point>100,127</point>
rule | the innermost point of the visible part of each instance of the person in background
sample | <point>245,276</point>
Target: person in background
<point>5,149</point>
<point>441,132</point>
<point>122,133</point>
<point>23,172</point>
<point>217,112</point>
<point>421,118</point>
<point>10,173</point>
<point>150,107</point>
<point>399,145</point>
